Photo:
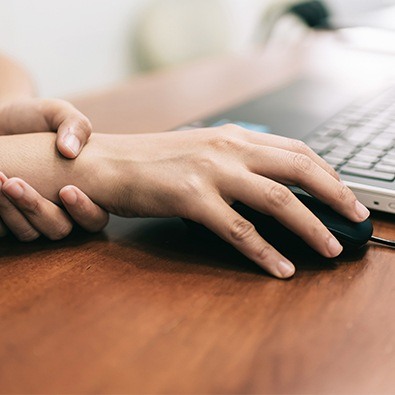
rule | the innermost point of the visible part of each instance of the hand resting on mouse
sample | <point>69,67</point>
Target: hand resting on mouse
<point>196,175</point>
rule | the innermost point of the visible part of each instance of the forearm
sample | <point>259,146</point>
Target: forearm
<point>15,82</point>
<point>35,159</point>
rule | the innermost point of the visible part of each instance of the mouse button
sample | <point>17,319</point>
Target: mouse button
<point>352,234</point>
<point>349,233</point>
<point>326,214</point>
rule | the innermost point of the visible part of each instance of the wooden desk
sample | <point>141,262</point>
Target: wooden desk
<point>145,308</point>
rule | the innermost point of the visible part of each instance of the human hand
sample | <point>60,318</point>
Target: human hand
<point>37,115</point>
<point>198,174</point>
<point>73,131</point>
<point>27,214</point>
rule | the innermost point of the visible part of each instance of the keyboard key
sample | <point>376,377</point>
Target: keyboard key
<point>381,143</point>
<point>360,164</point>
<point>342,151</point>
<point>371,151</point>
<point>320,146</point>
<point>378,175</point>
<point>355,137</point>
<point>388,161</point>
<point>385,168</point>
<point>366,157</point>
<point>332,160</point>
<point>328,132</point>
<point>360,140</point>
<point>387,135</point>
<point>390,156</point>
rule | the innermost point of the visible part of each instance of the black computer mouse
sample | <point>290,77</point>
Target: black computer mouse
<point>350,234</point>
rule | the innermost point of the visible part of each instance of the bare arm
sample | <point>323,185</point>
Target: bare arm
<point>21,113</point>
<point>34,158</point>
<point>15,82</point>
<point>196,175</point>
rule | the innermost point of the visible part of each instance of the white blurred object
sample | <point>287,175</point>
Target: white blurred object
<point>369,39</point>
<point>380,17</point>
<point>369,31</point>
<point>350,8</point>
<point>70,46</point>
<point>174,31</point>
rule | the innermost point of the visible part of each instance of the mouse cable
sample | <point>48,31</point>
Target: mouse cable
<point>380,240</point>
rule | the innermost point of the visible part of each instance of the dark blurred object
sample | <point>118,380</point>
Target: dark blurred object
<point>313,13</point>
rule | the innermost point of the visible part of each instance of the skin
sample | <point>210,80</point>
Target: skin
<point>196,175</point>
<point>21,113</point>
<point>15,82</point>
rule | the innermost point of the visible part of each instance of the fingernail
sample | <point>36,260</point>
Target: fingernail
<point>69,196</point>
<point>334,247</point>
<point>361,210</point>
<point>73,144</point>
<point>14,190</point>
<point>286,269</point>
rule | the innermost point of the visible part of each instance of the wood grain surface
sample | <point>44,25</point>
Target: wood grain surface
<point>146,307</point>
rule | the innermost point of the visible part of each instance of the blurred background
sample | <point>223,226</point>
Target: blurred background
<point>74,46</point>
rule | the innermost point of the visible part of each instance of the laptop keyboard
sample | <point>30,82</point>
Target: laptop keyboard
<point>360,140</point>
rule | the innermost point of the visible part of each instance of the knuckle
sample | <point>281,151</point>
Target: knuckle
<point>343,193</point>
<point>279,196</point>
<point>232,129</point>
<point>208,163</point>
<point>32,207</point>
<point>263,253</point>
<point>193,188</point>
<point>61,231</point>
<point>27,234</point>
<point>300,147</point>
<point>192,185</point>
<point>333,172</point>
<point>56,102</point>
<point>55,106</point>
<point>316,231</point>
<point>241,229</point>
<point>84,124</point>
<point>62,103</point>
<point>224,143</point>
<point>302,163</point>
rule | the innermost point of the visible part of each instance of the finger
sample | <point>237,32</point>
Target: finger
<point>278,201</point>
<point>285,143</point>
<point>86,213</point>
<point>236,230</point>
<point>14,220</point>
<point>42,214</point>
<point>73,128</point>
<point>298,169</point>
<point>73,134</point>
<point>18,225</point>
<point>3,227</point>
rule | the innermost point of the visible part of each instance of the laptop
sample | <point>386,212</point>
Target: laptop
<point>356,135</point>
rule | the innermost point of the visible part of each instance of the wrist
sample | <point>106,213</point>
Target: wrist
<point>102,167</point>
